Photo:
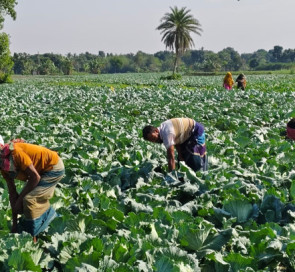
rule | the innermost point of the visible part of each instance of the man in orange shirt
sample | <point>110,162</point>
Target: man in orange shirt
<point>41,169</point>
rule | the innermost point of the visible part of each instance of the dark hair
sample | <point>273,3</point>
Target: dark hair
<point>147,130</point>
<point>240,77</point>
<point>291,123</point>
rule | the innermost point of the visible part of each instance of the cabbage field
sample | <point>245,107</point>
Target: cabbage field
<point>120,210</point>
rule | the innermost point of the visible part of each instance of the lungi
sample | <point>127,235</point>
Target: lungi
<point>194,149</point>
<point>37,210</point>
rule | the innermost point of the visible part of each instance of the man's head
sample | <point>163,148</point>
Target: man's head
<point>151,134</point>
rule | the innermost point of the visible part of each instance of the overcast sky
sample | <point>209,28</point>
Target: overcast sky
<point>121,27</point>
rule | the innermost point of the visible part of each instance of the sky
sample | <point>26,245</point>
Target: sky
<point>129,26</point>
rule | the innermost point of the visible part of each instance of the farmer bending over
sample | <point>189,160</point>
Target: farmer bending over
<point>186,135</point>
<point>41,169</point>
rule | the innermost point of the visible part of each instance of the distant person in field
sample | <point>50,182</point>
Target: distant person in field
<point>228,81</point>
<point>41,169</point>
<point>241,81</point>
<point>291,129</point>
<point>186,135</point>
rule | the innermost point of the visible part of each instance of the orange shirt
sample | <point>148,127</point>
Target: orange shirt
<point>25,154</point>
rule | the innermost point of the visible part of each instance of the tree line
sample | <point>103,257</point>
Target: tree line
<point>175,27</point>
<point>191,61</point>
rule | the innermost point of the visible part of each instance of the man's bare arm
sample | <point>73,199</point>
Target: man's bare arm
<point>170,158</point>
<point>179,152</point>
<point>13,196</point>
<point>33,180</point>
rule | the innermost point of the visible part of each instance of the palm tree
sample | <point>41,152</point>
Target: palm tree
<point>176,28</point>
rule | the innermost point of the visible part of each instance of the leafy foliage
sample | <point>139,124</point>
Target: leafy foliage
<point>6,62</point>
<point>119,208</point>
<point>7,8</point>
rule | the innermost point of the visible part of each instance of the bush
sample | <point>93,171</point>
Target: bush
<point>5,78</point>
<point>171,77</point>
<point>274,66</point>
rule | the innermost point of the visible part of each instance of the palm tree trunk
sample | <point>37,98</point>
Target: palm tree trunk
<point>175,65</point>
<point>175,61</point>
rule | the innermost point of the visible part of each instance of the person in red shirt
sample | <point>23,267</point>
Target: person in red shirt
<point>41,169</point>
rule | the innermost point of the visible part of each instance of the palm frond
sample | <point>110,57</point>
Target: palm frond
<point>176,28</point>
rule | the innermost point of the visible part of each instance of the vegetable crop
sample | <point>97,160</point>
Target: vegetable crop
<point>120,210</point>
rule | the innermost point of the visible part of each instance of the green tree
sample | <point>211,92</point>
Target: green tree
<point>230,59</point>
<point>116,63</point>
<point>7,8</point>
<point>6,62</point>
<point>139,61</point>
<point>67,66</point>
<point>46,67</point>
<point>254,60</point>
<point>96,65</point>
<point>153,64</point>
<point>253,63</point>
<point>23,64</point>
<point>102,54</point>
<point>191,57</point>
<point>58,60</point>
<point>176,28</point>
<point>211,62</point>
<point>276,53</point>
<point>288,55</point>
